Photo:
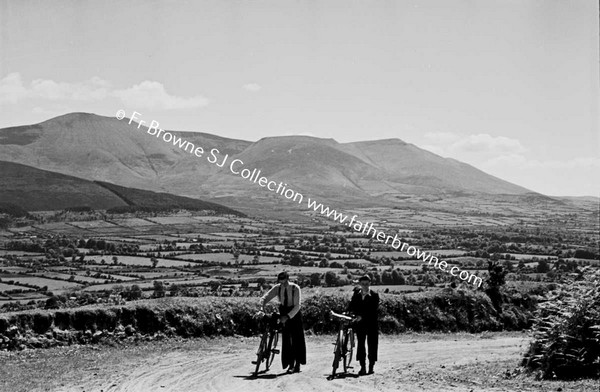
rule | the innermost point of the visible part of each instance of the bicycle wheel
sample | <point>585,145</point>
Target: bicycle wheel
<point>260,354</point>
<point>344,350</point>
<point>337,355</point>
<point>272,348</point>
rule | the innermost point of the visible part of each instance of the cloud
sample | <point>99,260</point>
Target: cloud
<point>90,90</point>
<point>12,89</point>
<point>551,177</point>
<point>252,87</point>
<point>480,145</point>
<point>153,95</point>
<point>509,159</point>
<point>146,95</point>
<point>484,143</point>
<point>523,162</point>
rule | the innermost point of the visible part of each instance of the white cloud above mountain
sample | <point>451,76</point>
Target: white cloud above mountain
<point>145,95</point>
<point>254,87</point>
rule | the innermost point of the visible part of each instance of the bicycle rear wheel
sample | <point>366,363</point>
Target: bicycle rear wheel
<point>351,349</point>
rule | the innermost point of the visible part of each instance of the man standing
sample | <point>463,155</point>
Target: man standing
<point>365,305</point>
<point>293,346</point>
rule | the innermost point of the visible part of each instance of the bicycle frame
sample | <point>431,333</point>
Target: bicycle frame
<point>344,344</point>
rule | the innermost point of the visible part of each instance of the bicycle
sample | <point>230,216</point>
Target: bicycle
<point>267,348</point>
<point>344,343</point>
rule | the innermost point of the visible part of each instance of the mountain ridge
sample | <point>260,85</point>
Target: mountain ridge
<point>101,148</point>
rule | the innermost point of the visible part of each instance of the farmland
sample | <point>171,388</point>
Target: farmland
<point>186,253</point>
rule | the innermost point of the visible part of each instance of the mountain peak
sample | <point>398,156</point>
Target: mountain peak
<point>381,142</point>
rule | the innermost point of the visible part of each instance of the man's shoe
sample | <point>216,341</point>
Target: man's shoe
<point>296,368</point>
<point>362,371</point>
<point>371,368</point>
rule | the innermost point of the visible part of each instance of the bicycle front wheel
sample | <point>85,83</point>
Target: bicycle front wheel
<point>348,348</point>
<point>260,354</point>
<point>337,352</point>
<point>272,349</point>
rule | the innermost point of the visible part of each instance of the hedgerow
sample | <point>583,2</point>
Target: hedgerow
<point>446,311</point>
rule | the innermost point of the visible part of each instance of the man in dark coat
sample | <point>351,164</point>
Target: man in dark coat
<point>293,345</point>
<point>365,306</point>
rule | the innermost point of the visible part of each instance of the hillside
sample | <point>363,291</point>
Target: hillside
<point>367,173</point>
<point>33,190</point>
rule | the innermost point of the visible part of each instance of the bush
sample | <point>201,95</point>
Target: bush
<point>566,330</point>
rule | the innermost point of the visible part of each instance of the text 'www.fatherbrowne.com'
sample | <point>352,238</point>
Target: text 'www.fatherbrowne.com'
<point>368,230</point>
<point>236,166</point>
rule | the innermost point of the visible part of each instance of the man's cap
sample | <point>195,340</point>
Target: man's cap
<point>283,275</point>
<point>365,277</point>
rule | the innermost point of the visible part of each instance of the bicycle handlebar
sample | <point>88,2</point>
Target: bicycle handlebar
<point>341,316</point>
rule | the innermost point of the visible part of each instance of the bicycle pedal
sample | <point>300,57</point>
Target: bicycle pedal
<point>275,351</point>
<point>254,362</point>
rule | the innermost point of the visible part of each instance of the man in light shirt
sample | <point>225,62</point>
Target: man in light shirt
<point>293,346</point>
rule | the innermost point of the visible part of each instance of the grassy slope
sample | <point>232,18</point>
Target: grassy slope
<point>34,190</point>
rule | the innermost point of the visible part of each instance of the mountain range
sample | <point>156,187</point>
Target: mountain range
<point>368,173</point>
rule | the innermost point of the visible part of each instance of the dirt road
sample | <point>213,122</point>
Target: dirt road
<point>451,362</point>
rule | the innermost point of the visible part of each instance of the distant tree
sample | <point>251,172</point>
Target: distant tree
<point>386,278</point>
<point>331,278</point>
<point>52,303</point>
<point>154,262</point>
<point>159,289</point>
<point>497,279</point>
<point>315,279</point>
<point>397,277</point>
<point>134,292</point>
<point>375,278</point>
<point>324,263</point>
<point>174,290</point>
<point>296,260</point>
<point>115,260</point>
<point>542,266</point>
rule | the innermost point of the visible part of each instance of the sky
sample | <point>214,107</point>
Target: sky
<point>510,87</point>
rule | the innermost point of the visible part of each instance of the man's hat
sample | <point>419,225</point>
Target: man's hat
<point>365,277</point>
<point>283,275</point>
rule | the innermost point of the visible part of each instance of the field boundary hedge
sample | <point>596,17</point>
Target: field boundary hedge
<point>446,311</point>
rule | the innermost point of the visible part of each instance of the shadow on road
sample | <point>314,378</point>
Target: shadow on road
<point>262,375</point>
<point>341,376</point>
